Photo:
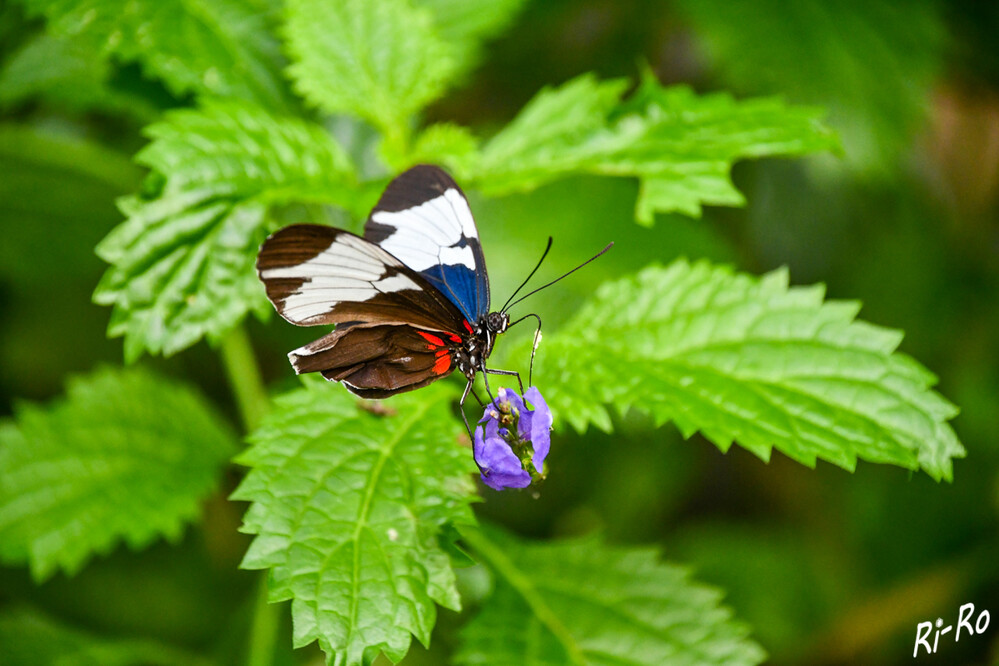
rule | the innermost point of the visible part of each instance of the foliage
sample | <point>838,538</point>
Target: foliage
<point>182,264</point>
<point>129,455</point>
<point>580,601</point>
<point>679,145</point>
<point>259,112</point>
<point>223,49</point>
<point>348,509</point>
<point>750,361</point>
<point>381,61</point>
<point>384,61</point>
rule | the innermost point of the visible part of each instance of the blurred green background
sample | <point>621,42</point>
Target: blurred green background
<point>828,567</point>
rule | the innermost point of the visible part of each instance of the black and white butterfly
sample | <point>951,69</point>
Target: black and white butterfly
<point>410,300</point>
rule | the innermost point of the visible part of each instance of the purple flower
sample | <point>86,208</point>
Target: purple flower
<point>500,466</point>
<point>511,449</point>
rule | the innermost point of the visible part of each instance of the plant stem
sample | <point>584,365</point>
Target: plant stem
<point>493,555</point>
<point>264,629</point>
<point>244,377</point>
<point>397,138</point>
<point>253,402</point>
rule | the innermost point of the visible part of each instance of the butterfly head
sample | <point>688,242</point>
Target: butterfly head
<point>497,322</point>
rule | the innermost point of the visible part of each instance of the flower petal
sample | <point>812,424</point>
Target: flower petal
<point>499,465</point>
<point>489,413</point>
<point>540,426</point>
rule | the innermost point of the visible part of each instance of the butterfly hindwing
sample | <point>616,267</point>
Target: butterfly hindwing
<point>424,220</point>
<point>376,361</point>
<point>320,275</point>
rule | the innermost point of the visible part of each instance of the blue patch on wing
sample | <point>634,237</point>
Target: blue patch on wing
<point>460,285</point>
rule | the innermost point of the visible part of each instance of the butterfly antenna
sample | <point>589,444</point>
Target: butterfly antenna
<point>530,275</point>
<point>545,286</point>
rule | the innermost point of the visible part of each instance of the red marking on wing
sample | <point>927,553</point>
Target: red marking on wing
<point>454,338</point>
<point>442,365</point>
<point>432,339</point>
<point>471,331</point>
<point>442,352</point>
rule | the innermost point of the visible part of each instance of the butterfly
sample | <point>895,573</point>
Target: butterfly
<point>409,299</point>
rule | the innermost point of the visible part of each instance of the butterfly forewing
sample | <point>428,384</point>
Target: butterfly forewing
<point>318,275</point>
<point>424,220</point>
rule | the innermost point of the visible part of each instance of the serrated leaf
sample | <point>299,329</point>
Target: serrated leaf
<point>187,274</point>
<point>127,456</point>
<point>182,264</point>
<point>348,509</point>
<point>28,638</point>
<point>222,49</point>
<point>748,360</point>
<point>875,70</point>
<point>580,601</point>
<point>680,145</point>
<point>380,61</point>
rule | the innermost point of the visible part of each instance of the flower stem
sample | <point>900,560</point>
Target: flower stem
<point>244,377</point>
<point>494,556</point>
<point>253,402</point>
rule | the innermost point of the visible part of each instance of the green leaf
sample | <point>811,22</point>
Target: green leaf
<point>465,25</point>
<point>680,145</point>
<point>28,638</point>
<point>872,64</point>
<point>182,270</point>
<point>381,61</point>
<point>348,511</point>
<point>128,455</point>
<point>750,360</point>
<point>581,601</point>
<point>223,49</point>
<point>182,264</point>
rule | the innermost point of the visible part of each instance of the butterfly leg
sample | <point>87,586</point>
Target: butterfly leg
<point>461,407</point>
<point>508,373</point>
<point>489,392</point>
